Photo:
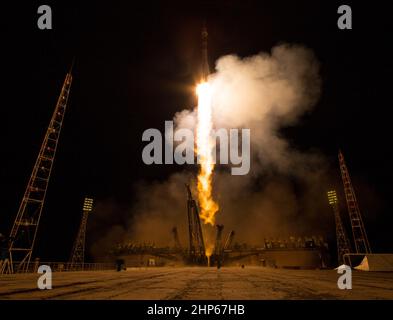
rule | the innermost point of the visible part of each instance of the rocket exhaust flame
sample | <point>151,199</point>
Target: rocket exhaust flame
<point>205,145</point>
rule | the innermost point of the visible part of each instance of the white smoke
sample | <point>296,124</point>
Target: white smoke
<point>264,93</point>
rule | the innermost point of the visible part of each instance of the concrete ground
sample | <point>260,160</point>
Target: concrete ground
<point>193,283</point>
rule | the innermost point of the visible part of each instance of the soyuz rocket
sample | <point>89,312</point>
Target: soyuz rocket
<point>205,64</point>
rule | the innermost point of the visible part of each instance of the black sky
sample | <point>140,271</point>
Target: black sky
<point>135,67</point>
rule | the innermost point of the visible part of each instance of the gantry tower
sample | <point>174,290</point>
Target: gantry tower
<point>196,243</point>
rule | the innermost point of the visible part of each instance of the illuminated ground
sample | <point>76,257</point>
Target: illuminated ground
<point>199,283</point>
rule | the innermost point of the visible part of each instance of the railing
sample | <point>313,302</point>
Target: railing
<point>66,266</point>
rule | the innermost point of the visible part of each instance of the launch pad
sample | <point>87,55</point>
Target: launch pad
<point>196,283</point>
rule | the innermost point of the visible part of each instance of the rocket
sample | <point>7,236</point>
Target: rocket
<point>205,64</point>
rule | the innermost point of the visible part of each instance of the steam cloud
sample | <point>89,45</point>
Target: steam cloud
<point>280,196</point>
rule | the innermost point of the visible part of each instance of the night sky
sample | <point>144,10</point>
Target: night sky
<point>136,65</point>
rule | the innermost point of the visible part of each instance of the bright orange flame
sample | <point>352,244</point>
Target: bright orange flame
<point>205,145</point>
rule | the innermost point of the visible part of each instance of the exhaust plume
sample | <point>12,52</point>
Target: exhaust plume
<point>264,93</point>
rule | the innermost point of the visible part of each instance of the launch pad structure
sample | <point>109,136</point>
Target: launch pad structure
<point>309,252</point>
<point>197,253</point>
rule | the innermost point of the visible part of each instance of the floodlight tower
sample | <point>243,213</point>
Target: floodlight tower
<point>343,245</point>
<point>78,251</point>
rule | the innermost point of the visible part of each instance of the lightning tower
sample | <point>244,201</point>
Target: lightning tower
<point>359,232</point>
<point>24,230</point>
<point>343,245</point>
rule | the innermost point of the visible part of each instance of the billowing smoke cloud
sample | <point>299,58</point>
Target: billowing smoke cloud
<point>280,196</point>
<point>264,93</point>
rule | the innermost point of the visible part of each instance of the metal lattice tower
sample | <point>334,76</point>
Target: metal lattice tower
<point>78,250</point>
<point>343,245</point>
<point>196,243</point>
<point>359,232</point>
<point>24,231</point>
